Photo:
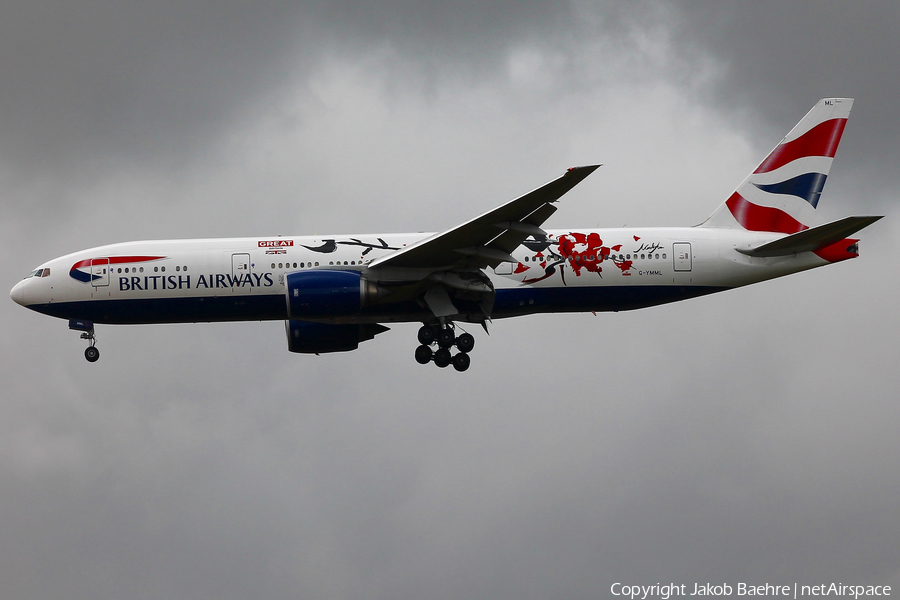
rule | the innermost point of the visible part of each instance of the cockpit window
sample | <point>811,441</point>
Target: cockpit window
<point>46,273</point>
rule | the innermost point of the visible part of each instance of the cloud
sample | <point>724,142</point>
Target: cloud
<point>777,56</point>
<point>742,436</point>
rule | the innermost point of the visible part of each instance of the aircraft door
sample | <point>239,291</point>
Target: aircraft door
<point>681,252</point>
<point>240,266</point>
<point>99,272</point>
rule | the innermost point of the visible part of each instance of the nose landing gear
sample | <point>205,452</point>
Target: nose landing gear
<point>445,338</point>
<point>91,353</point>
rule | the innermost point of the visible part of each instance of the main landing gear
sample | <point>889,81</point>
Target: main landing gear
<point>444,338</point>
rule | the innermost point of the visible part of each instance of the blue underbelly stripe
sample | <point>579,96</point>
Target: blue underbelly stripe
<point>508,303</point>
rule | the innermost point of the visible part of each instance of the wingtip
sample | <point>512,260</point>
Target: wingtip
<point>586,169</point>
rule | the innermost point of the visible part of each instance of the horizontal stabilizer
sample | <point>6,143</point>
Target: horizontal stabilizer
<point>813,239</point>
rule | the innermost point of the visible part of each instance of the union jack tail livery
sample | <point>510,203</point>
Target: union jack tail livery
<point>781,195</point>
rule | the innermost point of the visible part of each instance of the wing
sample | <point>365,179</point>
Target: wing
<point>489,239</point>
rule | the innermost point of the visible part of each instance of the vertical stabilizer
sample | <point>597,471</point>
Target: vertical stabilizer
<point>782,193</point>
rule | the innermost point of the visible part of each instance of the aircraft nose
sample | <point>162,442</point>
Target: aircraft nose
<point>18,293</point>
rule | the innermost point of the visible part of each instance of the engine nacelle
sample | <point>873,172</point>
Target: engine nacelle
<point>318,338</point>
<point>323,293</point>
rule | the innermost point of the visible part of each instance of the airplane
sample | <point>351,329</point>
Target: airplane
<point>337,291</point>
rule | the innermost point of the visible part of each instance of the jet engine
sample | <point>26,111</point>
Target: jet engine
<point>317,338</point>
<point>324,293</point>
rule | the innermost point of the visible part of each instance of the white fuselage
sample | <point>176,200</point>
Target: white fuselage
<point>244,278</point>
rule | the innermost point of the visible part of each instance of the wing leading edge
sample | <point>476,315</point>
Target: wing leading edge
<point>488,240</point>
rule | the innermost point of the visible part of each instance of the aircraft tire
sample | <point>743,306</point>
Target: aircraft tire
<point>426,335</point>
<point>91,354</point>
<point>424,354</point>
<point>446,338</point>
<point>442,358</point>
<point>465,342</point>
<point>461,362</point>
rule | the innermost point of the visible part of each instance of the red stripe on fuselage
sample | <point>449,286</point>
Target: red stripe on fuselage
<point>821,140</point>
<point>116,260</point>
<point>754,217</point>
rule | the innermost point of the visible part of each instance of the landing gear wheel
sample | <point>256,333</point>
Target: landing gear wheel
<point>446,338</point>
<point>424,354</point>
<point>427,333</point>
<point>465,343</point>
<point>91,353</point>
<point>442,358</point>
<point>461,361</point>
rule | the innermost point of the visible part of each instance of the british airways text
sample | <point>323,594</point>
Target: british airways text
<point>183,282</point>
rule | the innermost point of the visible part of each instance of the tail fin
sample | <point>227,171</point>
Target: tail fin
<point>782,193</point>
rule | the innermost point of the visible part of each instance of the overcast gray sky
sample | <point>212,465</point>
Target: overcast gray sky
<point>746,436</point>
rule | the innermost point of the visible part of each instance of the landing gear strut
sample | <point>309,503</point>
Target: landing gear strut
<point>91,353</point>
<point>445,338</point>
